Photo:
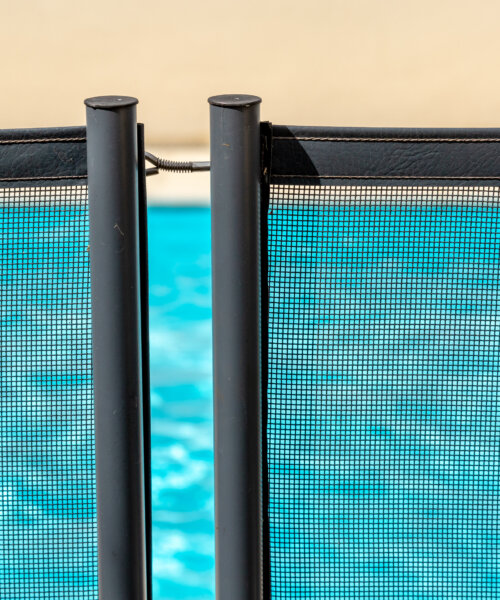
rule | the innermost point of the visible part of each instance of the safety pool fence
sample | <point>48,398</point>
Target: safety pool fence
<point>356,359</point>
<point>74,449</point>
<point>356,342</point>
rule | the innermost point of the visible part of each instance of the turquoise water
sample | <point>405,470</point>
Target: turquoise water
<point>48,532</point>
<point>402,463</point>
<point>48,529</point>
<point>406,485</point>
<point>383,412</point>
<point>181,364</point>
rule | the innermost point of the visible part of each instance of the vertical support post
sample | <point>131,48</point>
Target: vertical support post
<point>116,337</point>
<point>146,384</point>
<point>235,183</point>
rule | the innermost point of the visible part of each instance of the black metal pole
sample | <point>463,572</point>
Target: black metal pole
<point>146,384</point>
<point>235,177</point>
<point>116,330</point>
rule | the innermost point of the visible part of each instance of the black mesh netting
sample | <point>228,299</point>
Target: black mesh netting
<point>48,533</point>
<point>383,400</point>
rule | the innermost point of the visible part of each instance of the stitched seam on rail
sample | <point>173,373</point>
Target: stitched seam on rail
<point>42,141</point>
<point>367,139</point>
<point>55,177</point>
<point>472,177</point>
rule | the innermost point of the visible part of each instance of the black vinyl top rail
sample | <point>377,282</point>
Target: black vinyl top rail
<point>41,156</point>
<point>330,156</point>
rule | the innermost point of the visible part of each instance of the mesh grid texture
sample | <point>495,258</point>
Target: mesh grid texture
<point>383,418</point>
<point>48,531</point>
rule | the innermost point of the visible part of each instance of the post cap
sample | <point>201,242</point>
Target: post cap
<point>234,100</point>
<point>110,102</point>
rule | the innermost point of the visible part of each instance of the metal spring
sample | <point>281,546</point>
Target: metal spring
<point>176,166</point>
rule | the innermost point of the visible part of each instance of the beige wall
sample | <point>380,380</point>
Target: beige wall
<point>340,62</point>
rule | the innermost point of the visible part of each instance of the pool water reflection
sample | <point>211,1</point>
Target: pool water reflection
<point>181,403</point>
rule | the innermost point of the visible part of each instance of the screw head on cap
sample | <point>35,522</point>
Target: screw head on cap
<point>234,100</point>
<point>110,102</point>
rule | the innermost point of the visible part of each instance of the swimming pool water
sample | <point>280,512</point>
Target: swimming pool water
<point>383,415</point>
<point>402,465</point>
<point>181,403</point>
<point>47,488</point>
<point>182,447</point>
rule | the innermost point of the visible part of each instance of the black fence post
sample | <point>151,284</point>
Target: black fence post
<point>116,330</point>
<point>235,182</point>
<point>146,384</point>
